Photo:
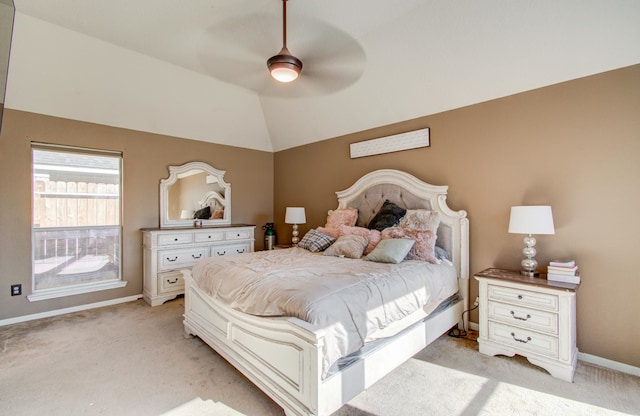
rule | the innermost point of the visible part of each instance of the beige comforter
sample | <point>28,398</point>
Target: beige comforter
<point>351,300</point>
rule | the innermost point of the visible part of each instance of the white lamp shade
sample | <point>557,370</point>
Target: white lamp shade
<point>531,219</point>
<point>186,214</point>
<point>295,215</point>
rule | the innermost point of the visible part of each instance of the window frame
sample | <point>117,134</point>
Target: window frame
<point>78,288</point>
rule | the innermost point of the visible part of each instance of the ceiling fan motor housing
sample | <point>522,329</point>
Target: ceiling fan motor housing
<point>284,67</point>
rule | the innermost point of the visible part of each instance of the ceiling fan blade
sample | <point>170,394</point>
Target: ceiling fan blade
<point>236,51</point>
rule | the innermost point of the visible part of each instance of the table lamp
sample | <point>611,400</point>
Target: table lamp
<point>295,216</point>
<point>531,219</point>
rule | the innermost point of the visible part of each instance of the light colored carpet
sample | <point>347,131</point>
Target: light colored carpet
<point>132,359</point>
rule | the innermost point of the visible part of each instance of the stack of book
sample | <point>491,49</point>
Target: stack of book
<point>563,271</point>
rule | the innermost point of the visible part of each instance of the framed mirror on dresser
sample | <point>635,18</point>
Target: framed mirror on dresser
<point>195,223</point>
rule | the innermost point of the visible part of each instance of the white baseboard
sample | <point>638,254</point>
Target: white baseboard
<point>78,308</point>
<point>610,364</point>
<point>594,359</point>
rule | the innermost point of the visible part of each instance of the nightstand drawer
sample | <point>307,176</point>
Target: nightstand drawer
<point>171,259</point>
<point>523,297</point>
<point>524,317</point>
<point>170,281</point>
<point>524,339</point>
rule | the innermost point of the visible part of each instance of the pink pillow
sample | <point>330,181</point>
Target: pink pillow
<point>372,235</point>
<point>331,232</point>
<point>338,217</point>
<point>425,242</point>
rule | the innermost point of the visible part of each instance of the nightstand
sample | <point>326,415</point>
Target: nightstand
<point>528,316</point>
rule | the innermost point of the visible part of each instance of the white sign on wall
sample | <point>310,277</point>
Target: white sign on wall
<point>397,142</point>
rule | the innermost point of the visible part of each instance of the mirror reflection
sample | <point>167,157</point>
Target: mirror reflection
<point>194,191</point>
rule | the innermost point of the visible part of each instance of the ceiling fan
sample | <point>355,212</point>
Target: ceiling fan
<point>284,67</point>
<point>234,50</point>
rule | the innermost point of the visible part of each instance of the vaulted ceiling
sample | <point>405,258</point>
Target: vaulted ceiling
<point>197,69</point>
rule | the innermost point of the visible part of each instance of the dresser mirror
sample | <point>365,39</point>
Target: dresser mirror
<point>194,193</point>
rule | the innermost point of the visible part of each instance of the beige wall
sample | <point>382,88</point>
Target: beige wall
<point>145,160</point>
<point>574,146</point>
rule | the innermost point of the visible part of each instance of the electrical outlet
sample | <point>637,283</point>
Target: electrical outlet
<point>477,302</point>
<point>16,290</point>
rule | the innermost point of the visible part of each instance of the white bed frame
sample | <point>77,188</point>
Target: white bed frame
<point>282,356</point>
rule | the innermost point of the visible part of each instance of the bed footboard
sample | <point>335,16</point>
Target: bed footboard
<point>279,355</point>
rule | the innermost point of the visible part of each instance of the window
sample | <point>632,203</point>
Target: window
<point>76,221</point>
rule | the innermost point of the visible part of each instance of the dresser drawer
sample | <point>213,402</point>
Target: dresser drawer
<point>172,239</point>
<point>524,317</point>
<point>231,250</point>
<point>170,282</point>
<point>171,259</point>
<point>523,297</point>
<point>239,234</point>
<point>524,339</point>
<point>203,237</point>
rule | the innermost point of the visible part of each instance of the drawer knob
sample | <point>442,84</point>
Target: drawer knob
<point>173,259</point>
<point>520,317</point>
<point>524,341</point>
<point>196,257</point>
<point>221,253</point>
<point>171,282</point>
<point>175,239</point>
<point>519,296</point>
<point>240,251</point>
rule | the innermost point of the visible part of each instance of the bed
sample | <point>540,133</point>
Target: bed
<point>285,356</point>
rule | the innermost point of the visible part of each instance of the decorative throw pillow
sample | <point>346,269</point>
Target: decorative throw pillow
<point>425,242</point>
<point>331,232</point>
<point>315,241</point>
<point>202,214</point>
<point>391,250</point>
<point>420,219</point>
<point>350,246</point>
<point>388,216</point>
<point>442,254</point>
<point>338,217</point>
<point>373,236</point>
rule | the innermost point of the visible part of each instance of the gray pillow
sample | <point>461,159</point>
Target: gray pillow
<point>350,246</point>
<point>391,250</point>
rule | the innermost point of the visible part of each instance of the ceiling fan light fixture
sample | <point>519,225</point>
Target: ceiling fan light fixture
<point>284,67</point>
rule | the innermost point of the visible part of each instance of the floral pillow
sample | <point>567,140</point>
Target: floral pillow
<point>350,246</point>
<point>425,242</point>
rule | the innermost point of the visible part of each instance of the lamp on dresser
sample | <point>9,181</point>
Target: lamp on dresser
<point>295,216</point>
<point>531,219</point>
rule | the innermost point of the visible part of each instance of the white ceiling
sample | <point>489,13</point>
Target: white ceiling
<point>196,68</point>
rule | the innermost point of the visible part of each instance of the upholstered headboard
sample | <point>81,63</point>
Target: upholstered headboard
<point>369,192</point>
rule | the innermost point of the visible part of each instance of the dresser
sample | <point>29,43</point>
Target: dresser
<point>528,316</point>
<point>166,251</point>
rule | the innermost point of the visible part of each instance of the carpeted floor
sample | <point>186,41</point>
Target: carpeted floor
<point>132,359</point>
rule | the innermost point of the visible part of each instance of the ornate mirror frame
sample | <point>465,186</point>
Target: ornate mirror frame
<point>215,193</point>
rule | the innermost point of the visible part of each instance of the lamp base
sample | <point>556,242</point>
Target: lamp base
<point>529,273</point>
